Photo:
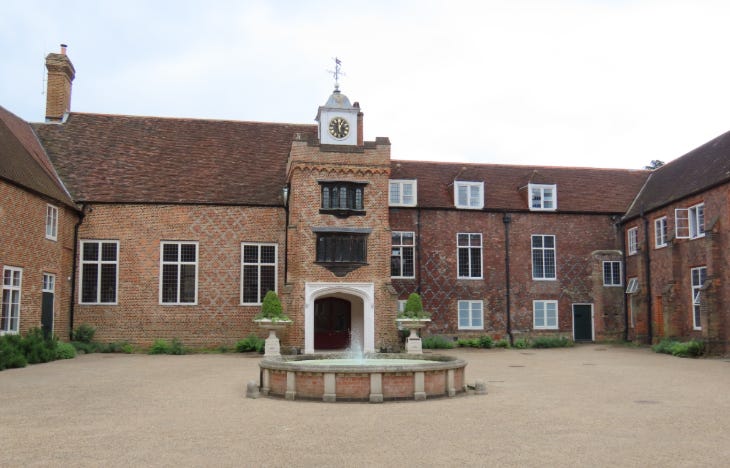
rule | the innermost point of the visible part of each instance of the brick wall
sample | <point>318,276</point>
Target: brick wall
<point>583,242</point>
<point>218,318</point>
<point>23,244</point>
<point>670,289</point>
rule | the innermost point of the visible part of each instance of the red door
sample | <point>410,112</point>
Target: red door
<point>331,323</point>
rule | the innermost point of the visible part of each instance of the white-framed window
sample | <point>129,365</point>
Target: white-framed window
<point>179,272</point>
<point>699,276</point>
<point>660,232</point>
<point>632,286</point>
<point>99,271</point>
<point>10,312</point>
<point>543,197</point>
<point>469,255</point>
<point>545,315</point>
<point>51,222</point>
<point>469,195</point>
<point>49,282</point>
<point>612,273</point>
<point>689,223</point>
<point>402,192</point>
<point>258,271</point>
<point>543,257</point>
<point>471,315</point>
<point>632,236</point>
<point>402,255</point>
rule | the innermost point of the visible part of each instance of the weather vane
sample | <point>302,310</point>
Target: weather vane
<point>337,72</point>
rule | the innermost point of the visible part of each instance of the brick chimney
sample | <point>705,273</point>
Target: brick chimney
<point>360,137</point>
<point>58,93</point>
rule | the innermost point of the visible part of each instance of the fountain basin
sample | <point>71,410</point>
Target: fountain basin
<point>376,378</point>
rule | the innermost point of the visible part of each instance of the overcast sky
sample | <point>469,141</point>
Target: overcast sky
<point>552,82</point>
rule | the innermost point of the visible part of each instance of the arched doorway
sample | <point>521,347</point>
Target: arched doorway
<point>332,323</point>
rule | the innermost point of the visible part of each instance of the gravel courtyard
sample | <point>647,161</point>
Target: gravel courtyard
<point>592,405</point>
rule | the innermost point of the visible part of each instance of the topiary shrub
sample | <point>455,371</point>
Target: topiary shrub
<point>84,333</point>
<point>271,309</point>
<point>65,351</point>
<point>11,354</point>
<point>414,308</point>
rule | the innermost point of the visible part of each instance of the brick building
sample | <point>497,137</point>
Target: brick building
<point>178,227</point>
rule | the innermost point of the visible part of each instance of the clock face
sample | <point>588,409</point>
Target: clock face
<point>339,128</point>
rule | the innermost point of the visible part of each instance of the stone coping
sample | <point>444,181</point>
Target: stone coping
<point>430,362</point>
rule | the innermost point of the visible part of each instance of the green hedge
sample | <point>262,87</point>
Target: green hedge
<point>692,348</point>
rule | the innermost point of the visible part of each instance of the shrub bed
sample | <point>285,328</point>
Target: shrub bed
<point>692,348</point>
<point>436,342</point>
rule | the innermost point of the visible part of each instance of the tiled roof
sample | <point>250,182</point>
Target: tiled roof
<point>24,162</point>
<point>578,189</point>
<point>698,170</point>
<point>125,159</point>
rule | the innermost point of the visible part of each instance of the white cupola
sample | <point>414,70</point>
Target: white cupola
<point>338,120</point>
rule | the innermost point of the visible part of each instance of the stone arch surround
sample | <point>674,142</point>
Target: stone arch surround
<point>363,291</point>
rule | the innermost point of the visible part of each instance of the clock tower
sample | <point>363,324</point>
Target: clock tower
<point>338,120</point>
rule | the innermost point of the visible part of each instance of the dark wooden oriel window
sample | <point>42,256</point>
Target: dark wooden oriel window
<point>342,247</point>
<point>338,196</point>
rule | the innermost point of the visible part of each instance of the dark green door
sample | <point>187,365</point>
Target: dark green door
<point>47,314</point>
<point>583,322</point>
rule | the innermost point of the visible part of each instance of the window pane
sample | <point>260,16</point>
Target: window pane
<point>91,251</point>
<point>187,283</point>
<point>463,262</point>
<point>394,193</point>
<point>187,252</point>
<point>549,264</point>
<point>108,251</point>
<point>537,264</point>
<point>250,253</point>
<point>108,282</point>
<point>169,283</point>
<point>268,280</point>
<point>462,195</point>
<point>551,319</point>
<point>549,242</point>
<point>250,284</point>
<point>169,252</point>
<point>408,238</point>
<point>537,241</point>
<point>476,263</point>
<point>268,254</point>
<point>408,269</point>
<point>89,279</point>
<point>325,197</point>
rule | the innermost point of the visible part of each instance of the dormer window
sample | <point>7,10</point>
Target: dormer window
<point>402,193</point>
<point>342,198</point>
<point>543,197</point>
<point>469,195</point>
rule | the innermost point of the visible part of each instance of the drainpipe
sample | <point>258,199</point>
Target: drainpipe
<point>74,265</point>
<point>417,253</point>
<point>285,195</point>
<point>507,219</point>
<point>647,263</point>
<point>620,228</point>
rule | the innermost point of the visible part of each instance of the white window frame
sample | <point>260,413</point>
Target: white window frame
<point>543,249</point>
<point>179,263</point>
<point>611,282</point>
<point>689,223</point>
<point>660,232</point>
<point>632,286</point>
<point>259,264</point>
<point>49,283</point>
<point>99,262</point>
<point>470,308</point>
<point>471,257</point>
<point>696,297</point>
<point>396,188</point>
<point>473,201</point>
<point>15,291</point>
<point>51,222</point>
<point>540,190</point>
<point>401,246</point>
<point>632,240</point>
<point>544,305</point>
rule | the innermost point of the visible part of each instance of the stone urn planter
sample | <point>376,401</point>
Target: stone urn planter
<point>413,318</point>
<point>413,341</point>
<point>272,347</point>
<point>272,318</point>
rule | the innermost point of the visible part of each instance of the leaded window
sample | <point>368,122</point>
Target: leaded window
<point>99,271</point>
<point>258,271</point>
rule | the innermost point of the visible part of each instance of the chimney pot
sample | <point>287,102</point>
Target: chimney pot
<point>63,49</point>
